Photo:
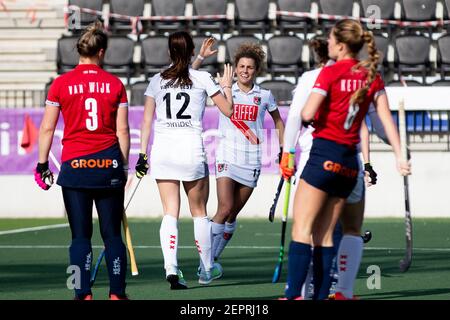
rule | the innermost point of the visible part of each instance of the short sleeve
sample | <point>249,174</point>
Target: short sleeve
<point>53,95</point>
<point>378,86</point>
<point>210,84</point>
<point>152,87</point>
<point>123,99</point>
<point>272,104</point>
<point>323,83</point>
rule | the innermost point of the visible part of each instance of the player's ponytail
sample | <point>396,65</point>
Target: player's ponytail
<point>181,49</point>
<point>92,40</point>
<point>371,64</point>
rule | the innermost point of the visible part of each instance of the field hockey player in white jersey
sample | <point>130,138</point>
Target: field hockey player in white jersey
<point>178,97</point>
<point>238,155</point>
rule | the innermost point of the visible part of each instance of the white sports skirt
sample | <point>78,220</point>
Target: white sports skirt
<point>178,157</point>
<point>244,175</point>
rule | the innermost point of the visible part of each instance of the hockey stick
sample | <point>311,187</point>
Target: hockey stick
<point>405,263</point>
<point>275,200</point>
<point>367,236</point>
<point>287,193</point>
<point>134,270</point>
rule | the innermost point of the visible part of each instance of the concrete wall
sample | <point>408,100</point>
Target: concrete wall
<point>429,192</point>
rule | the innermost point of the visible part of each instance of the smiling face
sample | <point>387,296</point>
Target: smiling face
<point>246,71</point>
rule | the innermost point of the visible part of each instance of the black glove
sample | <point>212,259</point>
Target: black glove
<point>372,174</point>
<point>43,176</point>
<point>306,124</point>
<point>142,165</point>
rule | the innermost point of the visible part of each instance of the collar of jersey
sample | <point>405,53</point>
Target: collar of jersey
<point>255,89</point>
<point>348,61</point>
<point>87,66</point>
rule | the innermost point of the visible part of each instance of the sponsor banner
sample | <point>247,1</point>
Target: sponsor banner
<point>15,160</point>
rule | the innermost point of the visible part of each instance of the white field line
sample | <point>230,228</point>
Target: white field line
<point>52,226</point>
<point>194,247</point>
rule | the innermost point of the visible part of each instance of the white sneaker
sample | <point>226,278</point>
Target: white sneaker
<point>176,279</point>
<point>205,277</point>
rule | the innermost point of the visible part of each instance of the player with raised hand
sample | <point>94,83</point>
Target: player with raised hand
<point>337,106</point>
<point>177,97</point>
<point>94,167</point>
<point>238,155</point>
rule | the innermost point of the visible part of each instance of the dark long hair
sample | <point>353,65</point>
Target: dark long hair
<point>319,45</point>
<point>181,47</point>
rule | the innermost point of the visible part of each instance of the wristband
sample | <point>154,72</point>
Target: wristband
<point>201,58</point>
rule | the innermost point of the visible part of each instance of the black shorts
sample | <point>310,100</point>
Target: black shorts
<point>99,170</point>
<point>332,168</point>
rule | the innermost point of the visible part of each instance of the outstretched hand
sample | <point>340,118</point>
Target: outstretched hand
<point>227,79</point>
<point>206,48</point>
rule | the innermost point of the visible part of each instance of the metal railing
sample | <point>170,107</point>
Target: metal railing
<point>22,98</point>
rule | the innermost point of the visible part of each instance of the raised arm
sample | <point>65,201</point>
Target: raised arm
<point>225,103</point>
<point>205,52</point>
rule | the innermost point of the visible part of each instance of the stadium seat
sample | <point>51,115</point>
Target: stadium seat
<point>210,7</point>
<point>334,7</point>
<point>168,8</point>
<point>387,8</point>
<point>412,55</point>
<point>252,15</point>
<point>285,55</point>
<point>86,18</point>
<point>281,90</point>
<point>443,56</point>
<point>210,64</point>
<point>154,55</point>
<point>441,83</point>
<point>233,43</point>
<point>129,8</point>
<point>409,83</point>
<point>286,23</point>
<point>67,56</point>
<point>419,10</point>
<point>137,93</point>
<point>119,56</point>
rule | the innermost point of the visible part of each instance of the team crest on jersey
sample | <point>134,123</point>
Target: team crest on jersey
<point>257,100</point>
<point>221,167</point>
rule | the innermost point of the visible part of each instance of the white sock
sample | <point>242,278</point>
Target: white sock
<point>168,235</point>
<point>217,234</point>
<point>203,239</point>
<point>227,234</point>
<point>349,258</point>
